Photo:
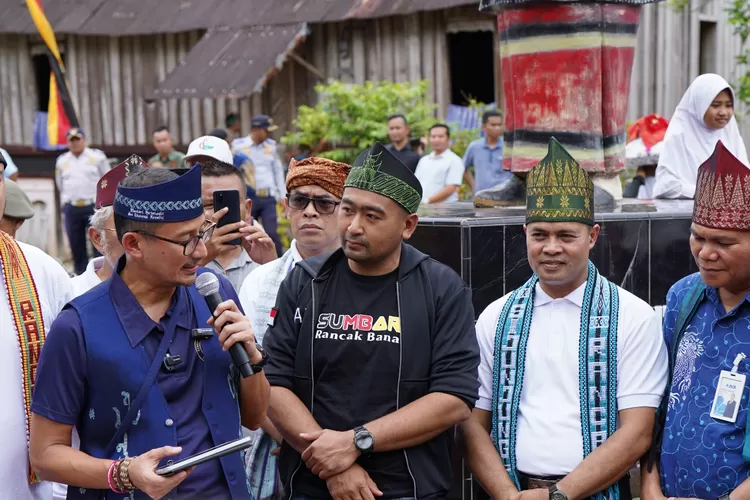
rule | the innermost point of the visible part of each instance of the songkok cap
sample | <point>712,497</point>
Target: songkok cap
<point>107,186</point>
<point>175,200</point>
<point>75,132</point>
<point>17,204</point>
<point>722,193</point>
<point>645,141</point>
<point>377,170</point>
<point>263,121</point>
<point>558,189</point>
<point>328,174</point>
<point>210,146</point>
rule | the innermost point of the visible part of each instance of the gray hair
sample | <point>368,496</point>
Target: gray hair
<point>98,221</point>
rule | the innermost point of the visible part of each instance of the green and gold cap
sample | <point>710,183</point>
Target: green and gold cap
<point>377,170</point>
<point>558,189</point>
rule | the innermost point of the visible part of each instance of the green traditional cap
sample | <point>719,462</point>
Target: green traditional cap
<point>377,170</point>
<point>558,189</point>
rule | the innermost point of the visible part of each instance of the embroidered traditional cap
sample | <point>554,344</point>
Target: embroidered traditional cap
<point>377,170</point>
<point>558,189</point>
<point>722,193</point>
<point>328,174</point>
<point>175,200</point>
<point>107,185</point>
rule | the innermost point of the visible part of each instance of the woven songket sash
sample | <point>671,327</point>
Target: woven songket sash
<point>27,318</point>
<point>597,372</point>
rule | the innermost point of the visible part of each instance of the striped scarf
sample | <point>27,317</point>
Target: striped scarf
<point>27,318</point>
<point>597,372</point>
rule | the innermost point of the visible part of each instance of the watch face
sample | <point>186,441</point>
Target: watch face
<point>558,495</point>
<point>364,442</point>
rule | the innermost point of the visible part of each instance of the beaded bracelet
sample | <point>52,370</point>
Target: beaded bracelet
<point>111,479</point>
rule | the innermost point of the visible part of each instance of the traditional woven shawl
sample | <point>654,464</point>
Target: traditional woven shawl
<point>27,318</point>
<point>597,372</point>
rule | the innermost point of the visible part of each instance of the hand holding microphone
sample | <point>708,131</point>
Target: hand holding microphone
<point>232,327</point>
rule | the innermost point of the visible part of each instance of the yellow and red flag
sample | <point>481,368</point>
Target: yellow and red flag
<point>61,114</point>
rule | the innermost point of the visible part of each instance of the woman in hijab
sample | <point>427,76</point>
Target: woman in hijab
<point>704,116</point>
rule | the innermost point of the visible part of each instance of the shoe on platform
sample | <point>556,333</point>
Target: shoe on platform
<point>511,192</point>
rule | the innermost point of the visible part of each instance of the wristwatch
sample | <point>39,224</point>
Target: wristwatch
<point>555,494</point>
<point>258,367</point>
<point>363,440</point>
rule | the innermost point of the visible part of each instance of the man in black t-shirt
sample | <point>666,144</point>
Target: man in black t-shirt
<point>372,352</point>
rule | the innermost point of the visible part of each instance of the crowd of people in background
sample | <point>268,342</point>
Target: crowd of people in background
<point>365,354</point>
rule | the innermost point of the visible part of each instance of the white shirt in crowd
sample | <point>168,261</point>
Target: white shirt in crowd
<point>549,439</point>
<point>437,171</point>
<point>76,177</point>
<point>88,280</point>
<point>256,294</point>
<point>54,289</point>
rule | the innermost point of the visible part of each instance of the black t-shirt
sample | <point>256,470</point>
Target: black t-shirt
<point>408,156</point>
<point>356,356</point>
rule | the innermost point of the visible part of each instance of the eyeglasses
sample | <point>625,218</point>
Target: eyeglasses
<point>188,246</point>
<point>323,206</point>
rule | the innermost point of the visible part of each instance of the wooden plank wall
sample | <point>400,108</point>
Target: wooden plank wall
<point>668,54</point>
<point>399,49</point>
<point>109,79</point>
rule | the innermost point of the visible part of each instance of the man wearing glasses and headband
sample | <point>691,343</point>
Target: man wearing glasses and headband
<point>315,187</point>
<point>145,327</point>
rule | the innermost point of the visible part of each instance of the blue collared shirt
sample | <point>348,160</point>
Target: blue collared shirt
<point>60,391</point>
<point>701,456</point>
<point>487,162</point>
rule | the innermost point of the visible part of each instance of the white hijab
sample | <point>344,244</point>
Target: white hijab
<point>689,141</point>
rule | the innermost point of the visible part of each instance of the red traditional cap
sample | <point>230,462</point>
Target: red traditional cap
<point>107,186</point>
<point>650,129</point>
<point>722,194</point>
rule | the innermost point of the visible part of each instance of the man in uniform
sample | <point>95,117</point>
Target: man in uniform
<point>269,173</point>
<point>573,367</point>
<point>372,352</point>
<point>102,231</point>
<point>18,208</point>
<point>166,156</point>
<point>34,287</point>
<point>315,187</point>
<point>705,448</point>
<point>76,174</point>
<point>132,366</point>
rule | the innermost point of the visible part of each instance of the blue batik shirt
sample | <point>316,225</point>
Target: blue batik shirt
<point>701,456</point>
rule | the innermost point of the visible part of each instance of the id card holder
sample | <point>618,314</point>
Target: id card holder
<point>726,403</point>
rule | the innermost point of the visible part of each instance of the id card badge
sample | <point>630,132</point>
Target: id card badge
<point>726,404</point>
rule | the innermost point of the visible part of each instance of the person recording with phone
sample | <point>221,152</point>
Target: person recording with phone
<point>141,365</point>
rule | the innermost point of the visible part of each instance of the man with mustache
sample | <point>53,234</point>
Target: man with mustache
<point>314,190</point>
<point>702,449</point>
<point>373,352</point>
<point>573,367</point>
<point>130,368</point>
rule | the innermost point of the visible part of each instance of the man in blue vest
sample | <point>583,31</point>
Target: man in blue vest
<point>133,364</point>
<point>702,449</point>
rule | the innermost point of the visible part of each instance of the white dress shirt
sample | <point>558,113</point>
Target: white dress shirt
<point>54,289</point>
<point>76,176</point>
<point>438,171</point>
<point>89,279</point>
<point>550,439</point>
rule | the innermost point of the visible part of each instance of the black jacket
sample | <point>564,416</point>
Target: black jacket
<point>439,351</point>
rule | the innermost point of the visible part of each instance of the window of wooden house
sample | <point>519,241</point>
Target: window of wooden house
<point>708,49</point>
<point>40,62</point>
<point>472,66</point>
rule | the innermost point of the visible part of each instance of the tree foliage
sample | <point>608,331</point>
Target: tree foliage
<point>739,17</point>
<point>349,117</point>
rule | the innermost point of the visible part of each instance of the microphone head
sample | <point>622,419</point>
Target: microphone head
<point>207,284</point>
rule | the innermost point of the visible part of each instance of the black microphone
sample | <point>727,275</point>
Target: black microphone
<point>208,286</point>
